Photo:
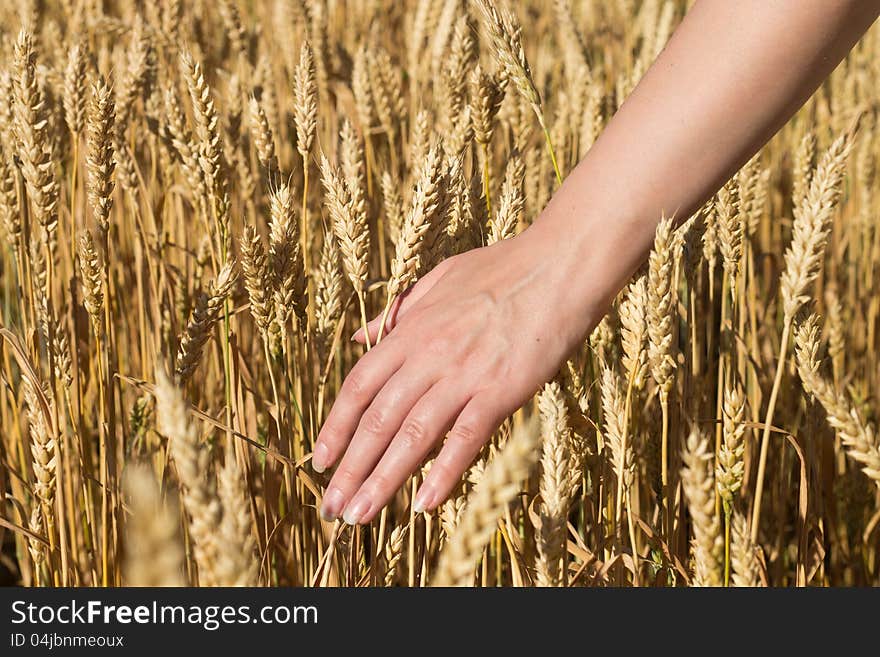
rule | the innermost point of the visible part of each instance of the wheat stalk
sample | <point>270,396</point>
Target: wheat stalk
<point>498,485</point>
<point>803,258</point>
<point>505,35</point>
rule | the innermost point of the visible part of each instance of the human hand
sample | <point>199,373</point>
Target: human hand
<point>464,348</point>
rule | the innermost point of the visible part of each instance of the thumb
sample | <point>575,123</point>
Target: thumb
<point>402,304</point>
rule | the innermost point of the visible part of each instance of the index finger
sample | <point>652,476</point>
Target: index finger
<point>361,385</point>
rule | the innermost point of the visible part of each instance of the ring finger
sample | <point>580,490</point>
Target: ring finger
<point>428,420</point>
<point>378,424</point>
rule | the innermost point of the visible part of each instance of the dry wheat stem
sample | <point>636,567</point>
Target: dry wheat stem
<point>802,261</point>
<point>199,157</point>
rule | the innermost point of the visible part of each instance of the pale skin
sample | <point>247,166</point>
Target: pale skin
<point>473,340</point>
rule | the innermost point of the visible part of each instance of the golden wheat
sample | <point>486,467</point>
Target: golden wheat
<point>154,154</point>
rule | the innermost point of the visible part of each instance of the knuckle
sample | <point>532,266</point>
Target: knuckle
<point>379,484</point>
<point>413,432</point>
<point>442,473</point>
<point>373,420</point>
<point>356,383</point>
<point>328,434</point>
<point>403,321</point>
<point>466,434</point>
<point>439,346</point>
<point>346,478</point>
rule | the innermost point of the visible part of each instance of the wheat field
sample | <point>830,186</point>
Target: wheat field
<point>200,202</point>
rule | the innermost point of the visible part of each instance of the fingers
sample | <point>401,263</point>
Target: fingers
<point>361,385</point>
<point>471,430</point>
<point>419,432</point>
<point>401,305</point>
<point>377,426</point>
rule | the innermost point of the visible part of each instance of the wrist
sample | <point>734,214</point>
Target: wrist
<point>594,250</point>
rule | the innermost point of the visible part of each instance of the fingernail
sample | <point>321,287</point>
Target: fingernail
<point>357,510</point>
<point>332,504</point>
<point>424,498</point>
<point>357,335</point>
<point>320,458</point>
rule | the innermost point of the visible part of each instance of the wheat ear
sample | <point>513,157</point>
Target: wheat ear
<point>205,315</point>
<point>858,438</point>
<point>153,549</point>
<point>33,138</point>
<point>237,564</point>
<point>555,486</point>
<point>634,332</point>
<point>729,465</point>
<point>257,282</point>
<point>661,357</point>
<point>192,459</point>
<point>698,483</point>
<point>100,161</point>
<point>505,34</point>
<point>497,487</point>
<point>264,140</point>
<point>743,561</point>
<point>812,223</point>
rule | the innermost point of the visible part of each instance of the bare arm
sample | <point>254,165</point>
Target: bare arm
<point>475,339</point>
<point>732,74</point>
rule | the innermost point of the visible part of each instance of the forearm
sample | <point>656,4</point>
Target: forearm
<point>730,77</point>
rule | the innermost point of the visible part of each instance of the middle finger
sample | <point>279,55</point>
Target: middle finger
<point>378,424</point>
<point>418,434</point>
